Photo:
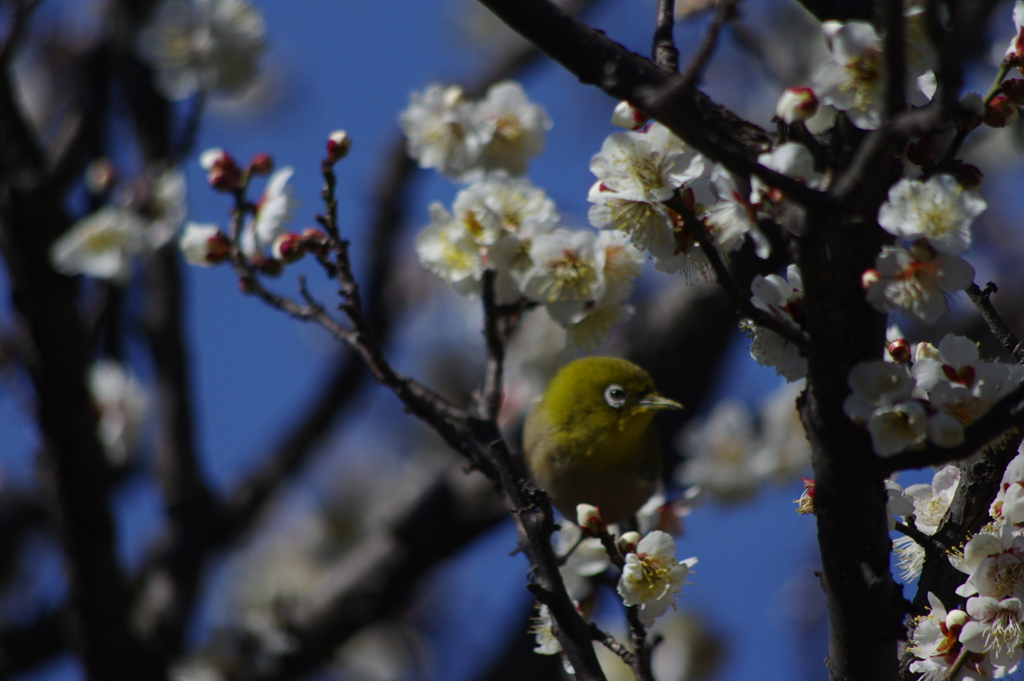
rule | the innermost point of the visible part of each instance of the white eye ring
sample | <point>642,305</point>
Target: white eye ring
<point>615,395</point>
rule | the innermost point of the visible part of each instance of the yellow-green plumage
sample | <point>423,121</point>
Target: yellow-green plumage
<point>585,442</point>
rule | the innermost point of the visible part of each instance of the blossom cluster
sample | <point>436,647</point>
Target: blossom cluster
<point>990,627</point>
<point>651,578</point>
<point>931,399</point>
<point>464,139</point>
<point>500,223</point>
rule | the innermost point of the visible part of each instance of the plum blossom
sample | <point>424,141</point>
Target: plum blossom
<point>651,577</point>
<point>791,159</point>
<point>203,244</point>
<point>623,264</point>
<point>202,45</point>
<point>447,250</point>
<point>783,299</point>
<point>100,245</point>
<point>442,130</point>
<point>937,210</point>
<point>995,629</point>
<point>853,80</point>
<point>627,116</point>
<point>273,211</point>
<point>513,128</point>
<point>915,281</point>
<point>881,400</point>
<point>994,564</point>
<point>936,643</point>
<point>566,274</point>
<point>930,505</point>
<point>959,386</point>
<point>732,217</point>
<point>637,172</point>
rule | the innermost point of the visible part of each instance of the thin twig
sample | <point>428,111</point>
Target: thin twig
<point>663,50</point>
<point>609,642</point>
<point>1000,330</point>
<point>954,670</point>
<point>725,10</point>
<point>489,397</point>
<point>922,539</point>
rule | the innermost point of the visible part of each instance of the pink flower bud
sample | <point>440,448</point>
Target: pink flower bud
<point>627,116</point>
<point>920,153</point>
<point>796,104</point>
<point>261,164</point>
<point>627,542</point>
<point>590,520</point>
<point>222,172</point>
<point>338,145</point>
<point>1000,113</point>
<point>869,279</point>
<point>288,247</point>
<point>899,350</point>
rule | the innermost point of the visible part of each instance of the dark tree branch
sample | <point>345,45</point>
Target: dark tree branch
<point>596,60</point>
<point>999,329</point>
<point>663,48</point>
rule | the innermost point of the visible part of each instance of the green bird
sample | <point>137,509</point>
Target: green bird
<point>590,437</point>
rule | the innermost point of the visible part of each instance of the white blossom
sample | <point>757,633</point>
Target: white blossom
<point>732,217</point>
<point>637,172</point>
<point>652,578</point>
<point>100,245</point>
<point>544,633</point>
<point>121,402</point>
<point>852,81</point>
<point>203,244</point>
<point>996,630</point>
<point>936,644</point>
<point>273,211</point>
<point>930,505</point>
<point>937,210</point>
<point>796,104</point>
<point>782,299</point>
<point>876,384</point>
<point>994,564</point>
<point>448,251</point>
<point>202,45</point>
<point>442,130</point>
<point>791,159</point>
<point>512,126</point>
<point>566,273</point>
<point>916,281</point>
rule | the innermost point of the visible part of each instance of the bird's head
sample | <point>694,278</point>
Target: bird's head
<point>601,394</point>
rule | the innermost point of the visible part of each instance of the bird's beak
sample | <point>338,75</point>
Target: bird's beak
<point>658,402</point>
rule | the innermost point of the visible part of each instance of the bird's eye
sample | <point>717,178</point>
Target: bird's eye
<point>615,396</point>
